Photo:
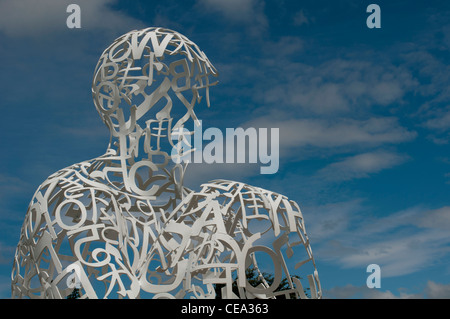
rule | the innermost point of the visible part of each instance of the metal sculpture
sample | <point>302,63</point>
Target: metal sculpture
<point>122,225</point>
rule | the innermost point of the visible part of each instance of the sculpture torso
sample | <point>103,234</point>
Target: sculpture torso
<point>123,225</point>
<point>78,216</point>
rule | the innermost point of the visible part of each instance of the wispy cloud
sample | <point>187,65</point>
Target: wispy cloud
<point>402,243</point>
<point>361,165</point>
<point>335,133</point>
<point>197,174</point>
<point>5,252</point>
<point>350,291</point>
<point>300,18</point>
<point>11,185</point>
<point>399,254</point>
<point>436,290</point>
<point>336,86</point>
<point>329,221</point>
<point>249,13</point>
<point>432,290</point>
<point>45,17</point>
<point>437,120</point>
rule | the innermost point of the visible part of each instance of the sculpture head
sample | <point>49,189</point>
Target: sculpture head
<point>151,79</point>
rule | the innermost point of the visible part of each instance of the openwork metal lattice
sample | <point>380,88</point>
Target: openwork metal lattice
<point>122,225</point>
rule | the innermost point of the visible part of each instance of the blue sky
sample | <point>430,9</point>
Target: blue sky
<point>364,118</point>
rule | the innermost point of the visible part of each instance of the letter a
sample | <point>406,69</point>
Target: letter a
<point>374,279</point>
<point>374,20</point>
<point>74,19</point>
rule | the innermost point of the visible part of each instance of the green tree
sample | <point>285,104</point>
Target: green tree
<point>255,280</point>
<point>75,294</point>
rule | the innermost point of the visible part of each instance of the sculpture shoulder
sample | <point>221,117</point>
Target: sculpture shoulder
<point>73,188</point>
<point>250,202</point>
<point>243,191</point>
<point>241,206</point>
<point>73,181</point>
<point>71,198</point>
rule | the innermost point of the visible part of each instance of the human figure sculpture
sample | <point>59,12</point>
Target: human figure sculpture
<point>122,225</point>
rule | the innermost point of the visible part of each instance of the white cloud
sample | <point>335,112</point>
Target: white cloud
<point>300,18</point>
<point>196,174</point>
<point>342,292</point>
<point>329,221</point>
<point>361,165</point>
<point>11,185</point>
<point>436,218</point>
<point>437,121</point>
<point>246,12</point>
<point>5,252</point>
<point>434,113</point>
<point>432,290</point>
<point>440,122</point>
<point>402,243</point>
<point>45,17</point>
<point>437,291</point>
<point>337,132</point>
<point>284,46</point>
<point>335,86</point>
<point>350,291</point>
<point>396,257</point>
<point>232,9</point>
<point>399,256</point>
